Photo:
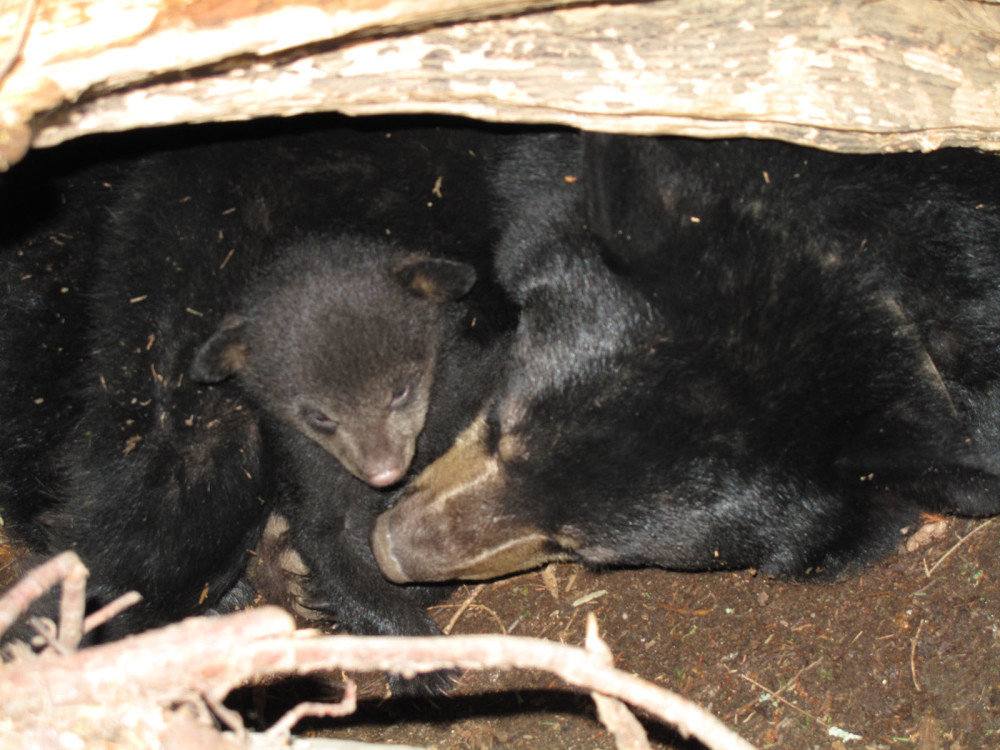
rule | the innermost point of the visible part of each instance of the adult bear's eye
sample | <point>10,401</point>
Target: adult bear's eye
<point>321,422</point>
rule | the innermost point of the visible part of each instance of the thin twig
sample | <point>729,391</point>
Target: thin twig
<point>913,656</point>
<point>797,675</point>
<point>491,613</point>
<point>228,716</point>
<point>72,605</point>
<point>847,648</point>
<point>782,700</point>
<point>46,634</point>
<point>786,685</point>
<point>958,544</point>
<point>461,610</point>
<point>111,610</point>
<point>282,728</point>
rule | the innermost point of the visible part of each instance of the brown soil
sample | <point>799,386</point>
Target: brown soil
<point>904,654</point>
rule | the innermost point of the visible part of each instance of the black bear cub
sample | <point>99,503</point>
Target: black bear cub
<point>729,354</point>
<point>339,339</point>
<point>360,361</point>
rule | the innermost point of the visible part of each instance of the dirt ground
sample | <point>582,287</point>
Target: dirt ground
<point>903,654</point>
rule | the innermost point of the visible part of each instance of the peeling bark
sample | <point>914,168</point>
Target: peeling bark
<point>849,76</point>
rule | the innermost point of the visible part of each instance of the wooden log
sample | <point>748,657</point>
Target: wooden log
<point>850,76</point>
<point>77,56</point>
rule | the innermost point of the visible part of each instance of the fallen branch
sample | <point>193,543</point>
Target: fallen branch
<point>198,661</point>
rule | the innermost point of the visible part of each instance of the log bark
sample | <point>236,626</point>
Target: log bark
<point>161,688</point>
<point>850,76</point>
<point>206,657</point>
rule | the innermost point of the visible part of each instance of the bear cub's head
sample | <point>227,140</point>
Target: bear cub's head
<point>339,338</point>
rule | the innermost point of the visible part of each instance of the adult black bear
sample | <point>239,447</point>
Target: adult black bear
<point>45,258</point>
<point>729,354</point>
<point>163,484</point>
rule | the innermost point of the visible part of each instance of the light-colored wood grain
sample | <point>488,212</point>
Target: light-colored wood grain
<point>844,75</point>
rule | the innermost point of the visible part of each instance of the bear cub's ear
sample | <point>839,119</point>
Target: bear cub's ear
<point>223,354</point>
<point>437,279</point>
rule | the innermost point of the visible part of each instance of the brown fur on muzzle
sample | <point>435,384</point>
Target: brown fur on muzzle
<point>452,524</point>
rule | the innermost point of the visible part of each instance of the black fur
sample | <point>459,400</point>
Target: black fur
<point>730,354</point>
<point>160,483</point>
<point>54,206</point>
<point>330,514</point>
<point>336,317</point>
<point>339,339</point>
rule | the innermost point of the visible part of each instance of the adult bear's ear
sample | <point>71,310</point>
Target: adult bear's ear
<point>436,279</point>
<point>223,354</point>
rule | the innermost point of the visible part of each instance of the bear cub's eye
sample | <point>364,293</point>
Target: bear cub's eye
<point>320,422</point>
<point>401,397</point>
